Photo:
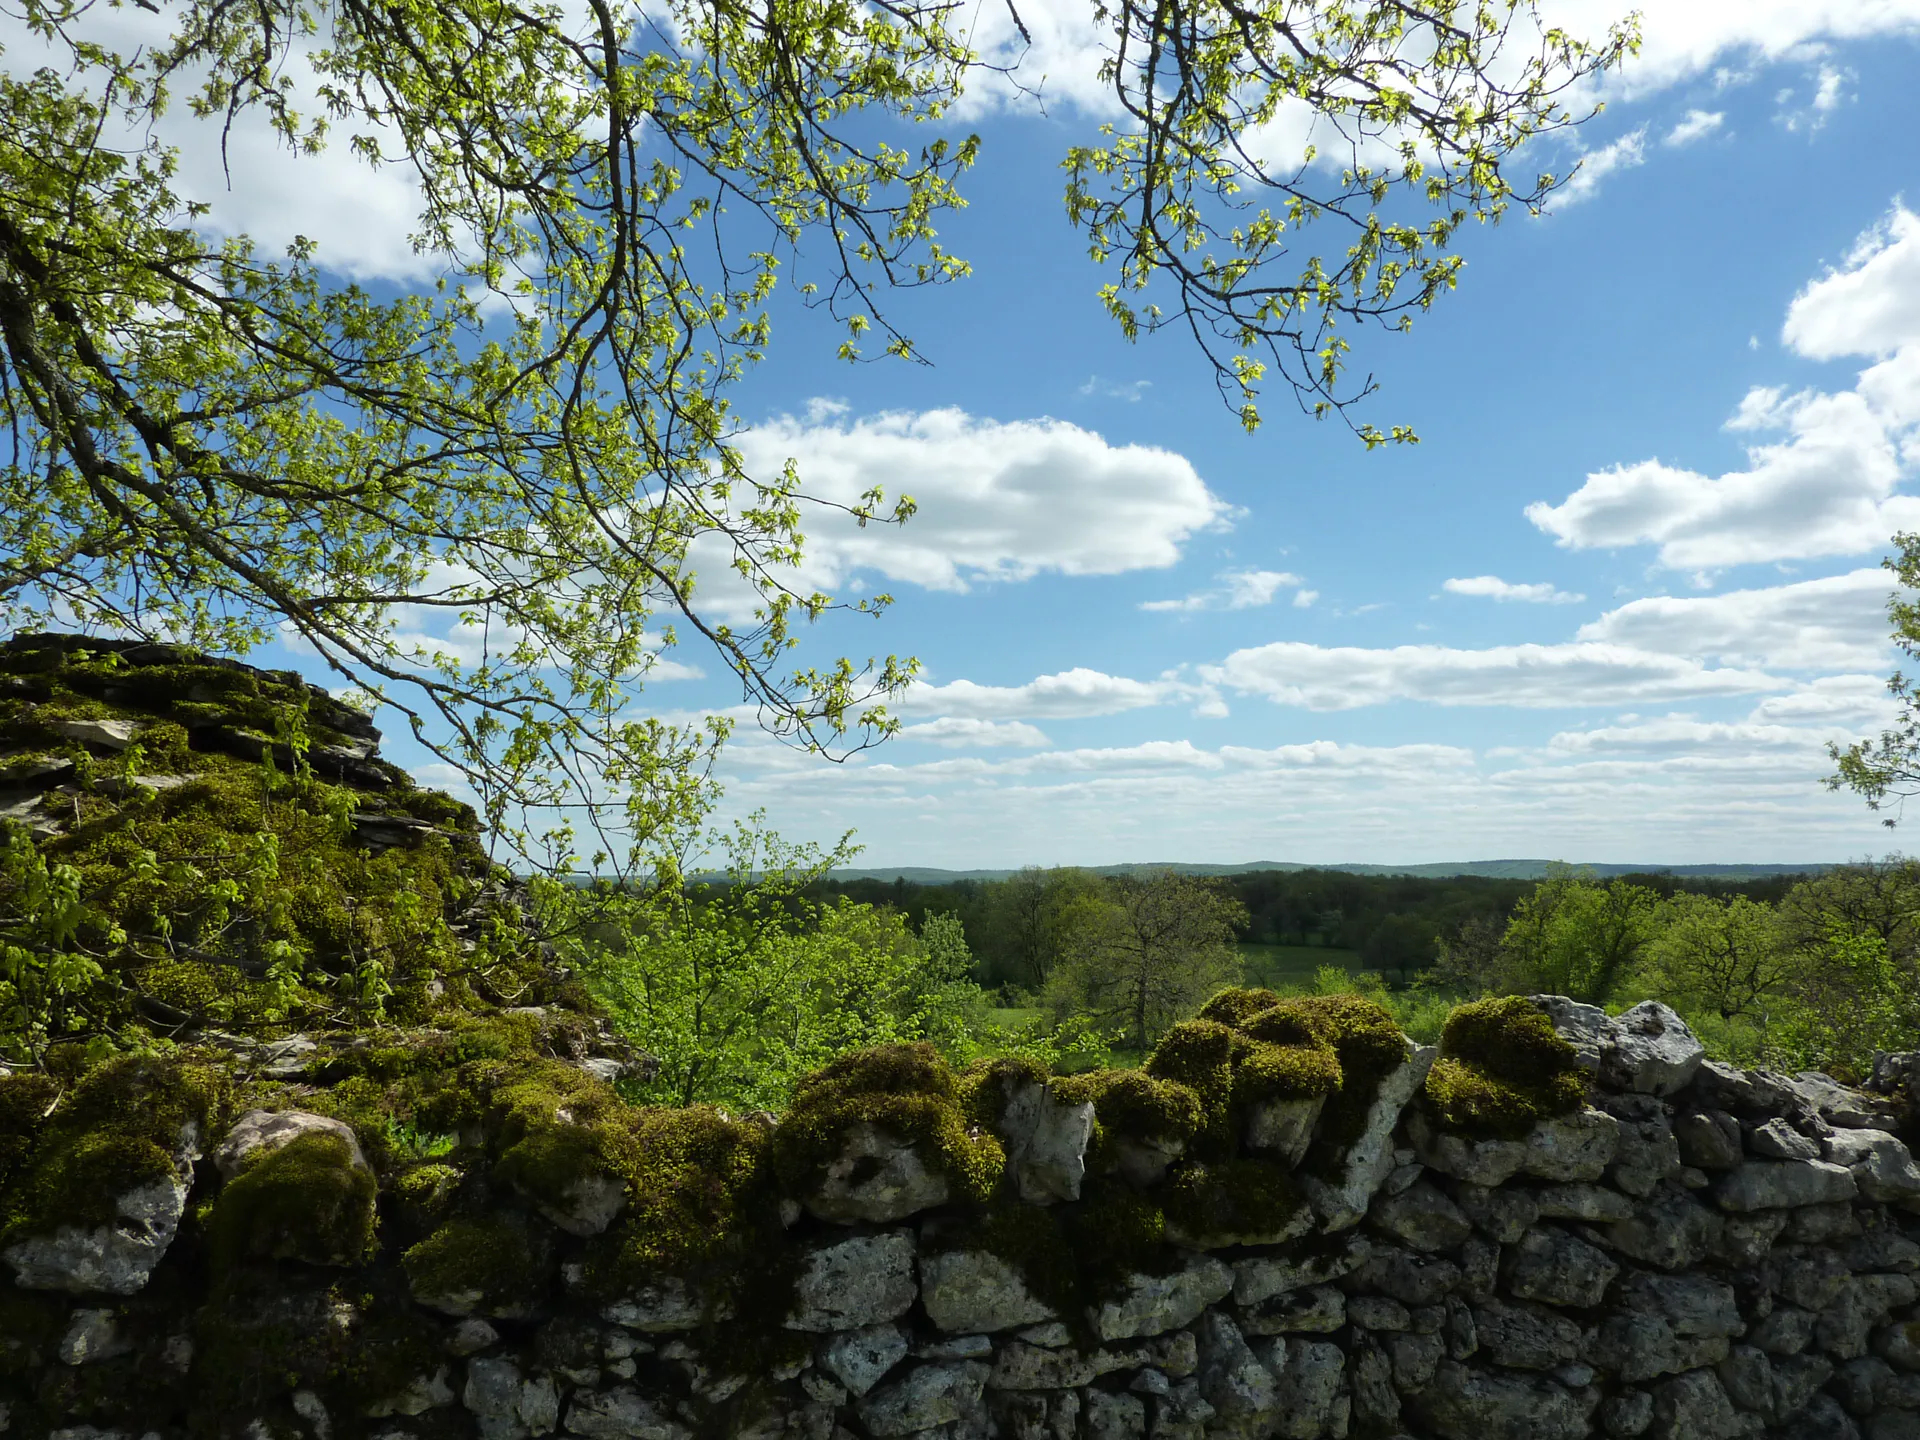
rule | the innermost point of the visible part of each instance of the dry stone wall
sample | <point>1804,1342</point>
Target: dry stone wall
<point>1696,1253</point>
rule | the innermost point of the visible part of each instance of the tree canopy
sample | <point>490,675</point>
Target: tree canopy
<point>217,445</point>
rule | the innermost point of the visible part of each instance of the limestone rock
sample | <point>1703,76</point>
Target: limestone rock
<point>107,734</point>
<point>1422,1217</point>
<point>1627,1414</point>
<point>1525,1336</point>
<point>1593,1203</point>
<point>1840,1106</point>
<point>112,1259</point>
<point>423,1393</point>
<point>92,1336</point>
<point>1262,1277</point>
<point>1284,1127</point>
<point>1144,1163</point>
<point>1318,1311</point>
<point>1647,1152</point>
<point>861,1280</point>
<point>1653,1051</point>
<point>974,1292</point>
<point>1709,1139</point>
<point>926,1396</point>
<point>666,1305</point>
<point>1669,1229</point>
<point>1566,1148</point>
<point>1899,1345</point>
<point>622,1414</point>
<point>1464,1404</point>
<point>1778,1140</point>
<point>1046,1141</point>
<point>1233,1381</point>
<point>1155,1304</point>
<point>1694,1406</point>
<point>261,1132</point>
<point>1588,1028</point>
<point>1777,1184</point>
<point>1639,1345</point>
<point>1412,1279</point>
<point>1880,1163</point>
<point>859,1359</point>
<point>876,1178</point>
<point>1342,1199</point>
<point>1552,1266</point>
<point>1307,1377</point>
<point>1690,1304</point>
<point>1503,1213</point>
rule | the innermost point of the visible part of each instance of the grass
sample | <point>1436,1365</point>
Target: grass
<point>1283,967</point>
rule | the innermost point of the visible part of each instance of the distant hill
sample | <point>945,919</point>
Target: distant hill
<point>1491,869</point>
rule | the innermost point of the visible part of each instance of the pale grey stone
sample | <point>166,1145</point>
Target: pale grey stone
<point>471,1336</point>
<point>1796,1381</point>
<point>1579,1146</point>
<point>666,1305</point>
<point>1690,1304</point>
<point>421,1394</point>
<point>108,734</point>
<point>1416,1358</point>
<point>969,1347</point>
<point>113,1259</point>
<point>1486,1163</point>
<point>1307,1377</point>
<point>1550,1265</point>
<point>1052,1333</point>
<point>1422,1217</point>
<point>1318,1311</point>
<point>1342,1198</point>
<point>1144,1163</point>
<point>1843,1327</point>
<point>1377,1312</point>
<point>1842,1106</point>
<point>1647,1152</point>
<point>1640,1345</point>
<point>1778,1140</point>
<point>1811,1279</point>
<point>261,1132</point>
<point>1463,1336</point>
<point>1576,1201</point>
<point>92,1335</point>
<point>1822,1224</point>
<point>1881,1165</point>
<point>1899,1344</point>
<point>1111,1416</point>
<point>1376,1403</point>
<point>823,1388</point>
<point>1784,1330</point>
<point>1745,1239</point>
<point>1504,1213</point>
<point>1627,1414</point>
<point>1284,1127</point>
<point>1882,1248</point>
<point>972,1291</point>
<point>1046,1139</point>
<point>1479,1268</point>
<point>1262,1277</point>
<point>622,1414</point>
<point>1777,1184</point>
<point>1709,1139</point>
<point>859,1359</point>
<point>1652,1051</point>
<point>876,1177</point>
<point>861,1280</point>
<point>1155,1304</point>
<point>1524,1336</point>
<point>1694,1406</point>
<point>1588,1028</point>
<point>287,1058</point>
<point>1019,1366</point>
<point>1411,1278</point>
<point>1233,1381</point>
<point>926,1396</point>
<point>1467,1404</point>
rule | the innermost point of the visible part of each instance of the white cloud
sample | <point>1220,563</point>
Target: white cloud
<point>1532,676</point>
<point>998,500</point>
<point>1694,125</point>
<point>1808,625</point>
<point>1071,694</point>
<point>1860,702</point>
<point>1238,590</point>
<point>1492,587</point>
<point>1625,153</point>
<point>1131,391</point>
<point>1828,486</point>
<point>1683,735</point>
<point>1302,599</point>
<point>964,730</point>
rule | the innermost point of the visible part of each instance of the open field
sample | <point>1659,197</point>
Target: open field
<point>1286,966</point>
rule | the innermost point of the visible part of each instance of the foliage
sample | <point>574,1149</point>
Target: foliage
<point>214,443</point>
<point>1575,936</point>
<point>1886,770</point>
<point>1725,963</point>
<point>1156,947</point>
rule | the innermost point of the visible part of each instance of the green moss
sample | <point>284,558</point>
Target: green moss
<point>26,1099</point>
<point>1131,1102</point>
<point>492,1263</point>
<point>1236,1007</point>
<point>984,1087</point>
<point>904,1090</point>
<point>1210,1204</point>
<point>119,1127</point>
<point>1370,1045</point>
<point>424,1194</point>
<point>305,1201</point>
<point>1502,1069</point>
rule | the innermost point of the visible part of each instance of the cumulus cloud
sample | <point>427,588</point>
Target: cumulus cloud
<point>1534,676</point>
<point>1492,587</point>
<point>1827,486</point>
<point>998,500</point>
<point>1625,153</point>
<point>1070,694</point>
<point>1237,590</point>
<point>1694,125</point>
<point>960,730</point>
<point>1824,624</point>
<point>1860,702</point>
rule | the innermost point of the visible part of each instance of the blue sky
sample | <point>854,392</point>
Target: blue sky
<point>1611,608</point>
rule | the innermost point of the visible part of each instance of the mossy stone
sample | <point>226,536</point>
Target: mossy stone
<point>311,1200</point>
<point>1502,1069</point>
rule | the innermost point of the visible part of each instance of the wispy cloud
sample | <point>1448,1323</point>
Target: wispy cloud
<point>1694,125</point>
<point>1130,391</point>
<point>1492,587</point>
<point>1238,590</point>
<point>1623,154</point>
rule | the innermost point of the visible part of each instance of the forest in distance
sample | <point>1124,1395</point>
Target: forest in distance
<point>740,984</point>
